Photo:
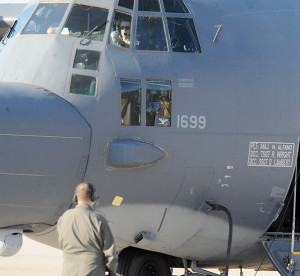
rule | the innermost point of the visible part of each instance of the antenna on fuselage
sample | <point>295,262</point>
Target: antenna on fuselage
<point>218,32</point>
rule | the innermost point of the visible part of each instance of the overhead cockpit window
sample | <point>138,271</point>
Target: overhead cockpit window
<point>130,102</point>
<point>86,22</point>
<point>46,18</point>
<point>158,103</point>
<point>150,34</point>
<point>149,5</point>
<point>176,6</point>
<point>121,30</point>
<point>83,85</point>
<point>183,35</point>
<point>126,4</point>
<point>85,59</point>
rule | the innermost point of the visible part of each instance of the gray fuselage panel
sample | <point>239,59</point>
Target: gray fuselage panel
<point>221,124</point>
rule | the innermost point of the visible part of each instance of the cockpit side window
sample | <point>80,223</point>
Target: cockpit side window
<point>86,21</point>
<point>86,59</point>
<point>149,5</point>
<point>130,102</point>
<point>120,34</point>
<point>83,85</point>
<point>46,18</point>
<point>126,4</point>
<point>150,34</point>
<point>183,35</point>
<point>158,103</point>
<point>175,6</point>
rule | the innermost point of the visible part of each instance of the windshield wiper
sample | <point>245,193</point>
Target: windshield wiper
<point>9,33</point>
<point>94,29</point>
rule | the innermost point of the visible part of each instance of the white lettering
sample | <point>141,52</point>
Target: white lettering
<point>184,121</point>
<point>271,154</point>
<point>192,121</point>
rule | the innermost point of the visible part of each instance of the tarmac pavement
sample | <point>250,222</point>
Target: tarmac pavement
<point>36,259</point>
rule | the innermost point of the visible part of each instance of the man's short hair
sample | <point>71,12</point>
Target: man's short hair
<point>91,192</point>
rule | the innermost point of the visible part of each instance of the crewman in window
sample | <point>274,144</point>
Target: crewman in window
<point>158,103</point>
<point>120,35</point>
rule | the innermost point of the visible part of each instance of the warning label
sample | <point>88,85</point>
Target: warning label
<point>270,154</point>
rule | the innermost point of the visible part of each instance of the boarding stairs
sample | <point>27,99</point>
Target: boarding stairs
<point>279,250</point>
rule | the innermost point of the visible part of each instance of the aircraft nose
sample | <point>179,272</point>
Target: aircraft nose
<point>44,147</point>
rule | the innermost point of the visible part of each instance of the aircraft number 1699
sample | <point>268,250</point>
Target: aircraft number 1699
<point>192,121</point>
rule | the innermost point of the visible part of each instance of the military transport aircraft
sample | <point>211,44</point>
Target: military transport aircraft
<point>185,114</point>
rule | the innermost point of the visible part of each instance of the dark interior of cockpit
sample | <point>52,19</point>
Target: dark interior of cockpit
<point>283,224</point>
<point>157,24</point>
<point>150,32</point>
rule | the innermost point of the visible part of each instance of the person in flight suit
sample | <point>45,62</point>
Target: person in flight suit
<point>85,238</point>
<point>122,36</point>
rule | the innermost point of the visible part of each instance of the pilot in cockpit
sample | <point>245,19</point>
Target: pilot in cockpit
<point>121,35</point>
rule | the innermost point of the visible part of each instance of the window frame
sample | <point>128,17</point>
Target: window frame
<point>148,80</point>
<point>79,94</point>
<point>126,7</point>
<point>140,102</point>
<point>69,15</point>
<point>34,11</point>
<point>182,17</point>
<point>173,12</point>
<point>131,29</point>
<point>164,30</point>
<point>87,50</point>
<point>145,11</point>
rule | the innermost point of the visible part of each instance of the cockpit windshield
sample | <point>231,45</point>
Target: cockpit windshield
<point>152,5</point>
<point>46,18</point>
<point>21,21</point>
<point>183,35</point>
<point>126,4</point>
<point>86,22</point>
<point>150,34</point>
<point>149,30</point>
<point>175,6</point>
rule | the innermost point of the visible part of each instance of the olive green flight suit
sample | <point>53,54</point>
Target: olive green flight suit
<point>87,243</point>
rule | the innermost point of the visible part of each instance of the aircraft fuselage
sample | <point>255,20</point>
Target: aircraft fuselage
<point>230,135</point>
